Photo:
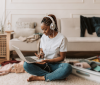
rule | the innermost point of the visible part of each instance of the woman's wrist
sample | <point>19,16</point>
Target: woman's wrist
<point>45,61</point>
<point>48,60</point>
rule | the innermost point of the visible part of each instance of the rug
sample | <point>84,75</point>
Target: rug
<point>21,79</point>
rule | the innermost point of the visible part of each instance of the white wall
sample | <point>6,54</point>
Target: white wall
<point>2,8</point>
<point>61,8</point>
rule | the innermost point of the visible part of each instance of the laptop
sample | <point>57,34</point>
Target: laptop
<point>28,59</point>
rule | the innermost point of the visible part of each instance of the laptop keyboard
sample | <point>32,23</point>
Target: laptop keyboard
<point>30,59</point>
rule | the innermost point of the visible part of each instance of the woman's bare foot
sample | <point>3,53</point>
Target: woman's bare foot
<point>36,78</point>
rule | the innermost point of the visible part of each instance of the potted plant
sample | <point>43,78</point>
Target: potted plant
<point>3,22</point>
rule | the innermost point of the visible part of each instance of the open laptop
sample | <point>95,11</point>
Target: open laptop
<point>28,59</point>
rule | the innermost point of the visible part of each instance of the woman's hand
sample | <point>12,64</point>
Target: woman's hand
<point>40,62</point>
<point>43,62</point>
<point>40,55</point>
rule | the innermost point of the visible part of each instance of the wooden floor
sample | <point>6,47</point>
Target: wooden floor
<point>82,54</point>
<point>14,55</point>
<point>24,53</point>
<point>68,55</point>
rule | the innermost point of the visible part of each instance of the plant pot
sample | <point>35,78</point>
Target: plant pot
<point>2,30</point>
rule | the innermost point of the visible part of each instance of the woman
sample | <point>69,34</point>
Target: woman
<point>53,46</point>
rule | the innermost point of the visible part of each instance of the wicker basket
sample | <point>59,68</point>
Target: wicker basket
<point>3,46</point>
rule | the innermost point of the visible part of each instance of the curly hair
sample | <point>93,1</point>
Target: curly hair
<point>47,21</point>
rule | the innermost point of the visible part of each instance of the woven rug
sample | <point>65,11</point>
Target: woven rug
<point>21,79</point>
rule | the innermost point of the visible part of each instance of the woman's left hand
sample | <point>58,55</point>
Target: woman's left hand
<point>40,62</point>
<point>43,62</point>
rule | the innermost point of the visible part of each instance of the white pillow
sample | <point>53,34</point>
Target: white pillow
<point>24,32</point>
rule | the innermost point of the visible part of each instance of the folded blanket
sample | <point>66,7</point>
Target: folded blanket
<point>12,68</point>
<point>31,38</point>
<point>5,69</point>
<point>10,61</point>
<point>82,65</point>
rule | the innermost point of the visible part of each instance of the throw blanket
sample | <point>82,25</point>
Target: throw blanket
<point>12,68</point>
<point>18,68</point>
<point>9,62</point>
<point>31,38</point>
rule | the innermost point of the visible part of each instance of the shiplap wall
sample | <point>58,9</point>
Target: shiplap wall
<point>2,9</point>
<point>60,8</point>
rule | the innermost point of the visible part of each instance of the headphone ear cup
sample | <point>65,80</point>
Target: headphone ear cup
<point>52,26</point>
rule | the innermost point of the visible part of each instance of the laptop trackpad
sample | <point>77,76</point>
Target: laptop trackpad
<point>33,59</point>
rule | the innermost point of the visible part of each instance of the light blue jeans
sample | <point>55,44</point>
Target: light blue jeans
<point>58,70</point>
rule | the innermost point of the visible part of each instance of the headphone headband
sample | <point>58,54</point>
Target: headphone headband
<point>52,25</point>
<point>51,19</point>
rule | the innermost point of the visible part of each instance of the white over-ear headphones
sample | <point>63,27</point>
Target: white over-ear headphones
<point>52,25</point>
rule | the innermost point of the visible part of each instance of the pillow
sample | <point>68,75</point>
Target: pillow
<point>24,32</point>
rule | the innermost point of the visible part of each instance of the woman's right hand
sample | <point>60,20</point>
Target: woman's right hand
<point>40,55</point>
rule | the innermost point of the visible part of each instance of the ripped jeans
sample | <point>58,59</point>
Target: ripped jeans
<point>53,72</point>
